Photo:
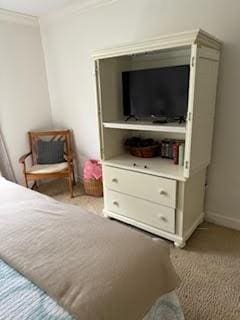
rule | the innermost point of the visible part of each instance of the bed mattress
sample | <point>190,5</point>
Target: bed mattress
<point>88,278</point>
<point>20,299</point>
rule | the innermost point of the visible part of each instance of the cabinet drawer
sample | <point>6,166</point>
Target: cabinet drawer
<point>140,210</point>
<point>152,188</point>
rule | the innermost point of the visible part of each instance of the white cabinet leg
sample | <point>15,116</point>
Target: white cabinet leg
<point>180,244</point>
<point>105,214</point>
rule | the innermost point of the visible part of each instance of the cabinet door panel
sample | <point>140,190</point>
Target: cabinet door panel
<point>201,107</point>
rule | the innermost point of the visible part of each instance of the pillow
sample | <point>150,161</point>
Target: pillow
<point>49,152</point>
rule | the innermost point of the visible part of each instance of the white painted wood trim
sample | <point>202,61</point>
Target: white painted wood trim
<point>172,237</point>
<point>209,53</point>
<point>98,100</point>
<point>191,97</point>
<point>182,39</point>
<point>156,166</point>
<point>18,18</point>
<point>145,127</point>
<point>202,89</point>
<point>221,220</point>
<point>161,233</point>
<point>193,227</point>
<point>199,168</point>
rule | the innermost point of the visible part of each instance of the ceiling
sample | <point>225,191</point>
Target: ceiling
<point>35,7</point>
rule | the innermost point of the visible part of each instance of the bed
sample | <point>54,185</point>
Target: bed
<point>59,262</point>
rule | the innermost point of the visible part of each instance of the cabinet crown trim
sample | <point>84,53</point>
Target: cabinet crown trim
<point>186,38</point>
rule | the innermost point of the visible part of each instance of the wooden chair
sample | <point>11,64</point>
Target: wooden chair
<point>37,171</point>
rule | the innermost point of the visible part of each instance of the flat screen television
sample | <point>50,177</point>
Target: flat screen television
<point>161,92</point>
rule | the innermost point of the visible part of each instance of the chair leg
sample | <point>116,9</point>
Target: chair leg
<point>26,181</point>
<point>70,184</point>
<point>34,186</point>
<point>73,177</point>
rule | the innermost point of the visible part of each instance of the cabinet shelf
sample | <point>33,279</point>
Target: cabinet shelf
<point>172,127</point>
<point>155,166</point>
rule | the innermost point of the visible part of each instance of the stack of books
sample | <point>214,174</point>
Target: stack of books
<point>173,149</point>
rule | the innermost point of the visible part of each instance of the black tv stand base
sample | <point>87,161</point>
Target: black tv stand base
<point>130,117</point>
<point>159,121</point>
<point>181,120</point>
<point>168,120</point>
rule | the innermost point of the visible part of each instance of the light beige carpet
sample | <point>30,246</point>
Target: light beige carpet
<point>209,265</point>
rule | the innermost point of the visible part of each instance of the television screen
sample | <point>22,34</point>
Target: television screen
<point>161,92</point>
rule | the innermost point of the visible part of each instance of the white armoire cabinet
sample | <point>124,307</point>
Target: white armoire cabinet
<point>154,194</point>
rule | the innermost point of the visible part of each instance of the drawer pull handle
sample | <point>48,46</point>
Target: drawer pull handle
<point>115,203</point>
<point>115,180</point>
<point>162,192</point>
<point>161,217</point>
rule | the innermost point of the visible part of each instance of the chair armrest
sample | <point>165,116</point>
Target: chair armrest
<point>23,158</point>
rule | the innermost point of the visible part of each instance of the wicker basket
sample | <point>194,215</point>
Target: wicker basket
<point>145,152</point>
<point>93,187</point>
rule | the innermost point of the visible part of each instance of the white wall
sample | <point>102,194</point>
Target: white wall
<point>69,40</point>
<point>24,98</point>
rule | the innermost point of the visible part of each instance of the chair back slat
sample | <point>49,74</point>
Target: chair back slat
<point>55,135</point>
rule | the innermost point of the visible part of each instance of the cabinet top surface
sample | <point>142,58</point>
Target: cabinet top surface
<point>154,166</point>
<point>175,40</point>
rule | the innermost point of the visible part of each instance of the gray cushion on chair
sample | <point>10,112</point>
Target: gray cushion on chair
<point>49,152</point>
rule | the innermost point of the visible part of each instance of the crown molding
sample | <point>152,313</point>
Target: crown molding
<point>75,9</point>
<point>18,18</point>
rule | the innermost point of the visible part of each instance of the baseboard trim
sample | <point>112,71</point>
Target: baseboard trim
<point>219,219</point>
